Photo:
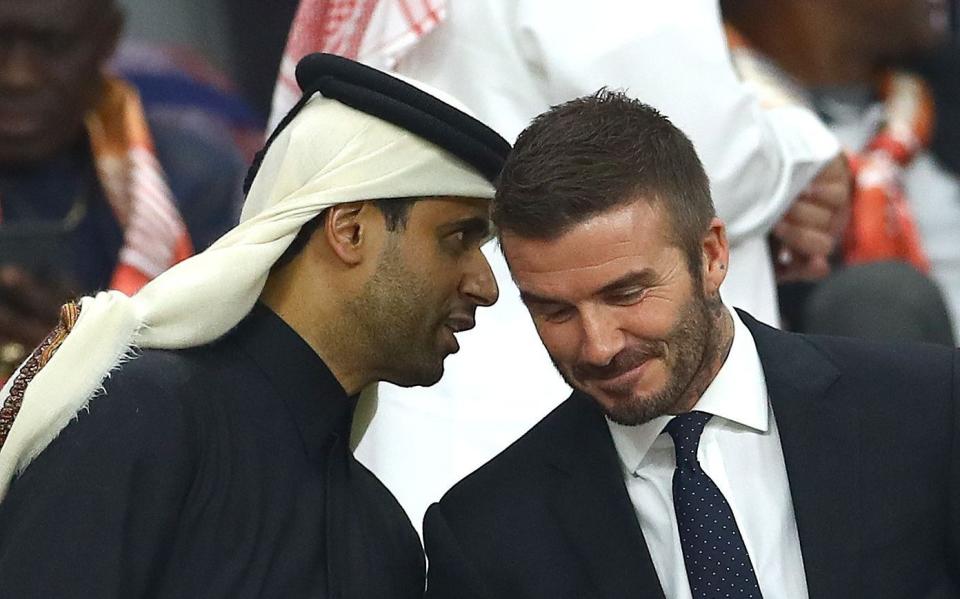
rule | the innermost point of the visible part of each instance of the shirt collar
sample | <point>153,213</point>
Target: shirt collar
<point>314,398</point>
<point>738,393</point>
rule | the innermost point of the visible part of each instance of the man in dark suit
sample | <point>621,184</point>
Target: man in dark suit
<point>703,454</point>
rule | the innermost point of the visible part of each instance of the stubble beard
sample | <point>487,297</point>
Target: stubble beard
<point>391,314</point>
<point>691,345</point>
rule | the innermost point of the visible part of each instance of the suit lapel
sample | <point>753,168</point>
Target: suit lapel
<point>819,434</point>
<point>594,510</point>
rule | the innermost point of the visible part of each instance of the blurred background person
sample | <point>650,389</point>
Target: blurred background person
<point>845,59</point>
<point>509,60</point>
<point>93,194</point>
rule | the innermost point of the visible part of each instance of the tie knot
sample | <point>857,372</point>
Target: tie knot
<point>686,430</point>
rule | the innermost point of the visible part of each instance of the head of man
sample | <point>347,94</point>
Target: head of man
<point>391,203</point>
<point>51,56</point>
<point>608,228</point>
<point>382,286</point>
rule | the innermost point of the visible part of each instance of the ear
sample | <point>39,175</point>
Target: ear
<point>716,257</point>
<point>350,231</point>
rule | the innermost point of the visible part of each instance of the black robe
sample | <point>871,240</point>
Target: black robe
<point>218,471</point>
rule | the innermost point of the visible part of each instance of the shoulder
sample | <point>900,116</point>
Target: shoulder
<point>856,358</point>
<point>154,400</point>
<point>143,399</point>
<point>521,468</point>
<point>885,359</point>
<point>140,419</point>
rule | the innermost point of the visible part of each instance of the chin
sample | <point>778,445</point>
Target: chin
<point>633,408</point>
<point>418,376</point>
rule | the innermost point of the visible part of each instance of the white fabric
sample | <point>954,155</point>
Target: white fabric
<point>932,191</point>
<point>509,60</point>
<point>329,154</point>
<point>376,32</point>
<point>740,450</point>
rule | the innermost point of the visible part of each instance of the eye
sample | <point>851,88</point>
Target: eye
<point>456,242</point>
<point>555,315</point>
<point>466,239</point>
<point>628,297</point>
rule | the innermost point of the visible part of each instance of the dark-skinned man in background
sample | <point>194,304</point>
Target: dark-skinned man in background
<point>92,194</point>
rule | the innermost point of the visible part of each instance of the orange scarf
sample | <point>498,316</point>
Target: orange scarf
<point>155,236</point>
<point>881,224</point>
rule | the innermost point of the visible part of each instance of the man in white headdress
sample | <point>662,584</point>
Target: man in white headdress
<point>192,440</point>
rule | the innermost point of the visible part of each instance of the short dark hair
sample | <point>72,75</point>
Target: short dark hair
<point>596,153</point>
<point>395,213</point>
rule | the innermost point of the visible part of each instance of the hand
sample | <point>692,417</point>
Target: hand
<point>29,306</point>
<point>811,229</point>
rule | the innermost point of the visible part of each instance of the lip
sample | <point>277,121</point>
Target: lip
<point>453,346</point>
<point>460,322</point>
<point>623,378</point>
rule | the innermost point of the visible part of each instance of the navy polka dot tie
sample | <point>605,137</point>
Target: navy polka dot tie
<point>717,562</point>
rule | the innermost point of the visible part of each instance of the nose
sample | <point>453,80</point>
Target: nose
<point>19,67</point>
<point>478,282</point>
<point>602,338</point>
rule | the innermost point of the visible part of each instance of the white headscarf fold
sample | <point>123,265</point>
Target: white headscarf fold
<point>329,154</point>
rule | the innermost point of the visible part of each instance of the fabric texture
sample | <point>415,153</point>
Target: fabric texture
<point>714,553</point>
<point>375,32</point>
<point>329,154</point>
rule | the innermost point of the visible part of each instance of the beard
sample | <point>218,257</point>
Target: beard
<point>686,349</point>
<point>393,315</point>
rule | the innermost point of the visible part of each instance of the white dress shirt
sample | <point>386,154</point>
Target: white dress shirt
<point>509,60</point>
<point>739,450</point>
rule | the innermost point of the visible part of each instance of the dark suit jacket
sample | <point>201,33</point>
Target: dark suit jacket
<point>869,436</point>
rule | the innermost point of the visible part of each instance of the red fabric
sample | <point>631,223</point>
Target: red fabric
<point>375,32</point>
<point>881,224</point>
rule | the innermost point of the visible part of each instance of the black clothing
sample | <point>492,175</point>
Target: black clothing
<point>217,471</point>
<point>204,179</point>
<point>869,434</point>
<point>46,193</point>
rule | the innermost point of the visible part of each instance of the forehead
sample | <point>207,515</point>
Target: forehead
<point>631,237</point>
<point>58,15</point>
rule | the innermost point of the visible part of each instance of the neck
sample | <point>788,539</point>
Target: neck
<point>718,348</point>
<point>812,41</point>
<point>315,317</point>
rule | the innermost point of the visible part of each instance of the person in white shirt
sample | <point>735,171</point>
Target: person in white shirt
<point>509,60</point>
<point>702,454</point>
<point>845,60</point>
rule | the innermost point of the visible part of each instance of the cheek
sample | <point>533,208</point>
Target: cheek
<point>653,319</point>
<point>561,340</point>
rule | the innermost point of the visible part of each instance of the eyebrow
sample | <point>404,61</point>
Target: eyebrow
<point>639,278</point>
<point>472,225</point>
